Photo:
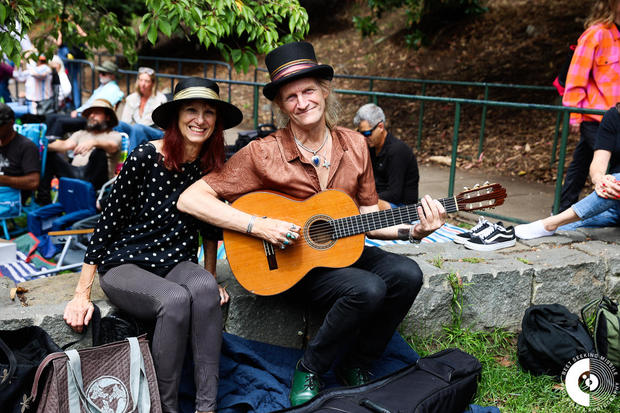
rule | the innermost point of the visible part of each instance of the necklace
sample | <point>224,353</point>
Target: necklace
<point>316,159</point>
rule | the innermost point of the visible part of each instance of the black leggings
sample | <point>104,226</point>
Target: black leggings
<point>185,301</point>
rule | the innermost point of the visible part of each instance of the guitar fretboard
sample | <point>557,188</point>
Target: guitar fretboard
<point>359,224</point>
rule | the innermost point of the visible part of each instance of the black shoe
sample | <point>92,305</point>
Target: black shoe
<point>482,226</point>
<point>498,238</point>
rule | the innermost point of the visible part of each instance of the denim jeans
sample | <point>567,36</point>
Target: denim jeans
<point>138,133</point>
<point>595,211</point>
<point>366,302</point>
<point>578,170</point>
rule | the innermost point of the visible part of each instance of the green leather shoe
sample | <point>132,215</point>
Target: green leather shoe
<point>304,387</point>
<point>353,376</point>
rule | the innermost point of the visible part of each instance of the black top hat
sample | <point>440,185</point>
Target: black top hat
<point>290,62</point>
<point>197,88</point>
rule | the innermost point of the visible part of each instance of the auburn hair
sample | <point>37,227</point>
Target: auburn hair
<point>212,154</point>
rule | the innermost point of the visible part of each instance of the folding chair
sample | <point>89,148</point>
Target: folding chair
<point>36,133</point>
<point>10,207</point>
<point>76,201</point>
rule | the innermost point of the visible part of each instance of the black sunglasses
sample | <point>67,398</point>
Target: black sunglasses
<point>368,132</point>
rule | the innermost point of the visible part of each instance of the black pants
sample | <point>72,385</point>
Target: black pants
<point>95,172</point>
<point>58,124</point>
<point>186,305</point>
<point>578,170</point>
<point>366,301</point>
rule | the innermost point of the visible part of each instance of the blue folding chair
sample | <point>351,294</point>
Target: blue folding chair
<point>76,201</point>
<point>10,207</point>
<point>36,133</point>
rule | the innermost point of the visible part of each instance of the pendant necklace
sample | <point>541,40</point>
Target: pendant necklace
<point>316,159</point>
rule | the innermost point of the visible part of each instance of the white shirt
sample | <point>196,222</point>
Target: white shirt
<point>131,112</point>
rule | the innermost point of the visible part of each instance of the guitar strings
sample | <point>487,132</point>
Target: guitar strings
<point>347,226</point>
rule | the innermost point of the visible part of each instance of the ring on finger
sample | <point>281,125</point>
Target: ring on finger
<point>286,242</point>
<point>293,227</point>
<point>282,246</point>
<point>289,235</point>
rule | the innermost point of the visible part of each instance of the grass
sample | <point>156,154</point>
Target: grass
<point>503,383</point>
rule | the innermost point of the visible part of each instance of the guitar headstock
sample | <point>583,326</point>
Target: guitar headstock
<point>481,197</point>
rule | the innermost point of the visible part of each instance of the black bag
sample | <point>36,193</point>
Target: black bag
<point>444,382</point>
<point>603,321</point>
<point>551,336</point>
<point>21,352</point>
<point>245,137</point>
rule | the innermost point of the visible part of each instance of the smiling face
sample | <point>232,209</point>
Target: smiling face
<point>303,100</point>
<point>197,121</point>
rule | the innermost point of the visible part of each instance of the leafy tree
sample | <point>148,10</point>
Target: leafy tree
<point>420,14</point>
<point>239,29</point>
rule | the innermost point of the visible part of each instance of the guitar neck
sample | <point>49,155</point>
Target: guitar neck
<point>362,223</point>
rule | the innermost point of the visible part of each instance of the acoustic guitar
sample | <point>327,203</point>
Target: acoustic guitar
<point>332,233</point>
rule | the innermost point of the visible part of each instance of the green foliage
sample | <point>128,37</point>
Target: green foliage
<point>437,261</point>
<point>418,12</point>
<point>240,29</point>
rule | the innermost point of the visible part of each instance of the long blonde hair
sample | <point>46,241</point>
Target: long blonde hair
<point>153,78</point>
<point>603,11</point>
<point>332,107</point>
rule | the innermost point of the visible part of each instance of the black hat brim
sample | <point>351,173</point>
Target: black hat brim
<point>321,71</point>
<point>229,114</point>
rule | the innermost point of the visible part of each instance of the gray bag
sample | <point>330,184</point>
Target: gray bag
<point>119,377</point>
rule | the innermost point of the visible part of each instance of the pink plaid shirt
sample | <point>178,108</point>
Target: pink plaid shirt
<point>593,79</point>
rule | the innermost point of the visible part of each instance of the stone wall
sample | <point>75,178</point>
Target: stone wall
<point>570,269</point>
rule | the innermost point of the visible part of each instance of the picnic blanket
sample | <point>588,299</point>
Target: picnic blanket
<point>27,262</point>
<point>256,377</point>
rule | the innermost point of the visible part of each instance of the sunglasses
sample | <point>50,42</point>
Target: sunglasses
<point>368,132</point>
<point>146,70</point>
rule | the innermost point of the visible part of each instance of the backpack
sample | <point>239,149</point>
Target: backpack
<point>551,336</point>
<point>560,81</point>
<point>602,319</point>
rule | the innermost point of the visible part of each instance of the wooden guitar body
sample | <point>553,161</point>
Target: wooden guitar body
<point>266,270</point>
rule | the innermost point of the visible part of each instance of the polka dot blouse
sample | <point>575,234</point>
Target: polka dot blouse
<point>141,224</point>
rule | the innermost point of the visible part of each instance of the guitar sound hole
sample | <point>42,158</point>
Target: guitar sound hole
<point>319,232</point>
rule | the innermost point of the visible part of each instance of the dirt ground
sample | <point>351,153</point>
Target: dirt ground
<point>516,42</point>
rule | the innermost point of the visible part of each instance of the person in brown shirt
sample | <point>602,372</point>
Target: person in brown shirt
<point>367,300</point>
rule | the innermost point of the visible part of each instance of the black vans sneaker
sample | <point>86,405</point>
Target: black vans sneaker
<point>483,226</point>
<point>496,239</point>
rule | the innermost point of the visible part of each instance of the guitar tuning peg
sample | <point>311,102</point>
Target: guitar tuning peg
<point>476,186</point>
<point>486,183</point>
<point>465,188</point>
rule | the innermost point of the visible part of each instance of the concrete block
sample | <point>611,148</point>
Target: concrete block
<point>431,309</point>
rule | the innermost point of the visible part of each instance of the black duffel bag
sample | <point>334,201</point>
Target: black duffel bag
<point>444,382</point>
<point>21,352</point>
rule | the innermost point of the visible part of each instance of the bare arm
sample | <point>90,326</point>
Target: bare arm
<point>431,213</point>
<point>200,200</point>
<point>28,182</point>
<point>61,145</point>
<point>210,248</point>
<point>605,184</point>
<point>79,310</point>
<point>87,144</point>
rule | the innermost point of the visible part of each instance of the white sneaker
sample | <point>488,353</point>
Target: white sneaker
<point>496,237</point>
<point>481,226</point>
<point>532,230</point>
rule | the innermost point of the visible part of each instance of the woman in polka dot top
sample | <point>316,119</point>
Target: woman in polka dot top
<point>145,250</point>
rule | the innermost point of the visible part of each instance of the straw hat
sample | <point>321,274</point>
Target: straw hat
<point>197,88</point>
<point>106,106</point>
<point>107,67</point>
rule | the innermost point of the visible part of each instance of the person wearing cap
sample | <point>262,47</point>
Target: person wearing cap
<point>367,300</point>
<point>144,249</point>
<point>96,151</point>
<point>136,120</point>
<point>59,124</point>
<point>393,163</point>
<point>20,167</point>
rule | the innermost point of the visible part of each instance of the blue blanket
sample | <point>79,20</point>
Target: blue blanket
<point>256,377</point>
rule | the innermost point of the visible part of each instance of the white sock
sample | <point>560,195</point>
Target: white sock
<point>535,229</point>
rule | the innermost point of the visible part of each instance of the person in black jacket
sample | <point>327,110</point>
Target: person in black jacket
<point>394,165</point>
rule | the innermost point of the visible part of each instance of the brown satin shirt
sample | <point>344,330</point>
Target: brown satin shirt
<point>275,163</point>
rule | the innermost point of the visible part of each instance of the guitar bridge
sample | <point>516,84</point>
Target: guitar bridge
<point>270,253</point>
